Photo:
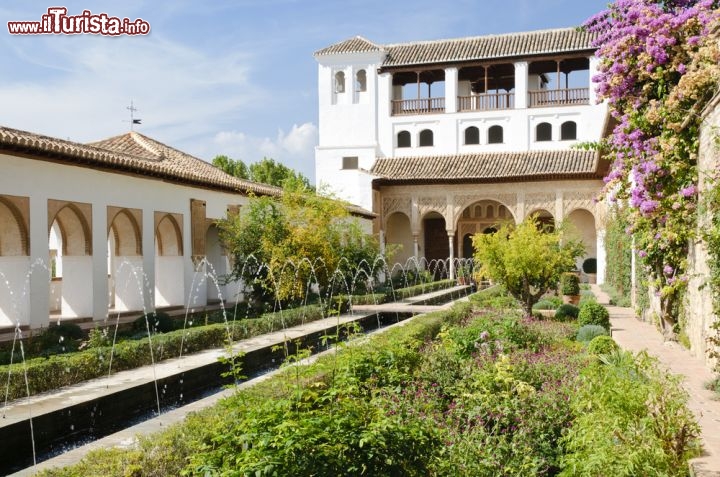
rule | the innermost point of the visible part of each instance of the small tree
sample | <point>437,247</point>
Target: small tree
<point>281,245</point>
<point>527,259</point>
<point>274,173</point>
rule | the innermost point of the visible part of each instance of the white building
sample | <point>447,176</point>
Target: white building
<point>124,225</point>
<point>444,139</point>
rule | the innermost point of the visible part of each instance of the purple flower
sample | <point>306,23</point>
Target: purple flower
<point>668,270</point>
<point>681,68</point>
<point>688,191</point>
<point>642,253</point>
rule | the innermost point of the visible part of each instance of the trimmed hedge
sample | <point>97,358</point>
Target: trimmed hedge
<point>45,374</point>
<point>593,313</point>
<point>567,312</point>
<point>409,292</point>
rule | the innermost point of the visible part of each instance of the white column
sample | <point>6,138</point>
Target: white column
<point>594,62</point>
<point>100,270</point>
<point>452,255</point>
<point>521,85</point>
<point>451,90</point>
<point>601,257</point>
<point>39,283</point>
<point>148,258</point>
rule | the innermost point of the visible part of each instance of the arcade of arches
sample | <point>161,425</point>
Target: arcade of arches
<point>435,224</point>
<point>72,254</point>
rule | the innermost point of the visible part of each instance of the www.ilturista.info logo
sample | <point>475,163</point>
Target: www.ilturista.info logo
<point>58,22</point>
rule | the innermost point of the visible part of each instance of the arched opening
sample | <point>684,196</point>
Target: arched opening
<point>568,131</point>
<point>486,215</point>
<point>403,139</point>
<point>71,270</point>
<point>545,219</point>
<point>472,135</point>
<point>361,81</point>
<point>467,246</point>
<point>340,82</point>
<point>426,138</point>
<point>582,227</point>
<point>495,135</point>
<point>398,237</point>
<point>169,276</point>
<point>125,262</point>
<point>543,132</point>
<point>14,262</point>
<point>435,237</point>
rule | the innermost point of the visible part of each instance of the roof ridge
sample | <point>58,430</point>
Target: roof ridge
<point>144,142</point>
<point>474,37</point>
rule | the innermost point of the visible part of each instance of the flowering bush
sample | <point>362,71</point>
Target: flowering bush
<point>658,69</point>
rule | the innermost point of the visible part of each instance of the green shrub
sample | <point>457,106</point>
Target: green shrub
<point>569,284</point>
<point>602,345</point>
<point>586,333</point>
<point>547,303</point>
<point>409,292</point>
<point>567,312</point>
<point>593,313</point>
<point>631,418</point>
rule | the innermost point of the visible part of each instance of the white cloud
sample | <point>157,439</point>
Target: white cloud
<point>295,149</point>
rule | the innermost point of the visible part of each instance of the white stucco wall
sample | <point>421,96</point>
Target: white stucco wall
<point>41,181</point>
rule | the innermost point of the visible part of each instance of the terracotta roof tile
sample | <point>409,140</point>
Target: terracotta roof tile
<point>487,47</point>
<point>134,153</point>
<point>356,44</point>
<point>489,166</point>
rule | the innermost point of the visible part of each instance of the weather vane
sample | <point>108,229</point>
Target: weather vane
<point>133,119</point>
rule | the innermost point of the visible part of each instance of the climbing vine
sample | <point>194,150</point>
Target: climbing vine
<point>651,74</point>
<point>618,249</point>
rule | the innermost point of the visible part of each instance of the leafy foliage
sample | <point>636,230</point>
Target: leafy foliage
<point>567,312</point>
<point>631,419</point>
<point>569,284</point>
<point>658,69</point>
<point>602,345</point>
<point>587,333</point>
<point>593,313</point>
<point>526,259</point>
<point>283,246</point>
<point>233,167</point>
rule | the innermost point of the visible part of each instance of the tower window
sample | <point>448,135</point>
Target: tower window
<point>340,82</point>
<point>495,135</point>
<point>568,131</point>
<point>426,138</point>
<point>472,135</point>
<point>403,139</point>
<point>543,132</point>
<point>350,162</point>
<point>361,81</point>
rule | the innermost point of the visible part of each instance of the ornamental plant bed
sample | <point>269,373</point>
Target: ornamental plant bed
<point>483,391</point>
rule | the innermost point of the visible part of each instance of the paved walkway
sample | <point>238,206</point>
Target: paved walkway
<point>635,335</point>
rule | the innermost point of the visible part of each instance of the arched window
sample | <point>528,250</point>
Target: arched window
<point>495,135</point>
<point>426,138</point>
<point>360,81</point>
<point>403,139</point>
<point>340,82</point>
<point>568,131</point>
<point>543,132</point>
<point>472,135</point>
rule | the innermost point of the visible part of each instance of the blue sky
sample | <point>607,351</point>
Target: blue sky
<point>223,77</point>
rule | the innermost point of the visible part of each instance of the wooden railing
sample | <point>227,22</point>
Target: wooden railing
<point>559,97</point>
<point>486,102</point>
<point>418,106</point>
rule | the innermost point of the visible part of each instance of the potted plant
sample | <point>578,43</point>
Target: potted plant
<point>590,269</point>
<point>570,288</point>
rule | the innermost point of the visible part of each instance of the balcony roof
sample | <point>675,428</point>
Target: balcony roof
<point>490,167</point>
<point>477,48</point>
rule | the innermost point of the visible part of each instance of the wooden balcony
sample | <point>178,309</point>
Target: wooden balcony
<point>486,102</point>
<point>403,107</point>
<point>559,97</point>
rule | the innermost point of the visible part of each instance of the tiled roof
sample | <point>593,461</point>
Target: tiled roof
<point>356,44</point>
<point>490,167</point>
<point>132,153</point>
<point>510,45</point>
